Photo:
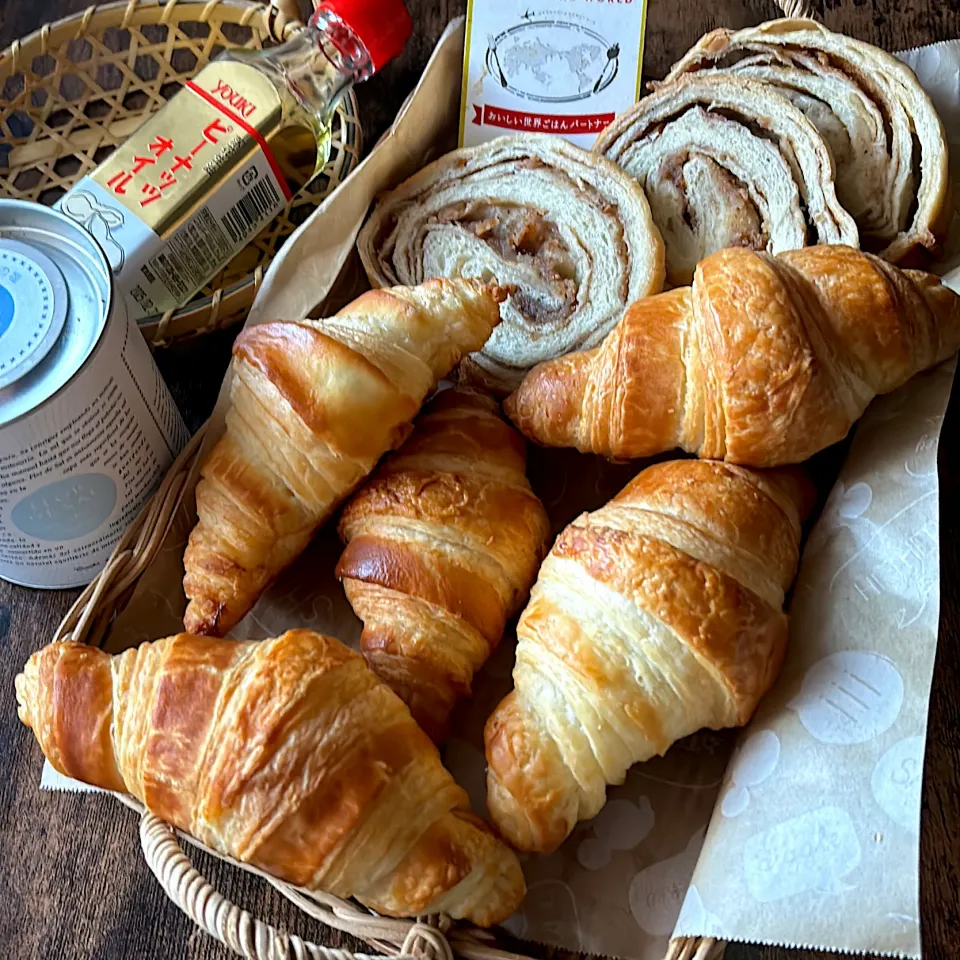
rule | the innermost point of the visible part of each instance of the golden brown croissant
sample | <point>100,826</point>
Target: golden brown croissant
<point>288,754</point>
<point>763,361</point>
<point>655,616</point>
<point>314,405</point>
<point>443,544</point>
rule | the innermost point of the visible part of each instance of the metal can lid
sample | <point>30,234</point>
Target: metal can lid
<point>55,298</point>
<point>33,308</point>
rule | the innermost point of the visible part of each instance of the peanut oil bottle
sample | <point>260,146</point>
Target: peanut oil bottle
<point>203,175</point>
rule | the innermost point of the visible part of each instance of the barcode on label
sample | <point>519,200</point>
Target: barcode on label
<point>190,256</point>
<point>245,216</point>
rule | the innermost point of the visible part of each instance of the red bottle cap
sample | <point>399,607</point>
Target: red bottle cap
<point>384,26</point>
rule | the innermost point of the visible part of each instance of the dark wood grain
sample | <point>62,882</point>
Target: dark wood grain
<point>73,884</point>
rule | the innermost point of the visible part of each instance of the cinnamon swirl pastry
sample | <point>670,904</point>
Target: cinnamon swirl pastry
<point>728,162</point>
<point>570,232</point>
<point>887,141</point>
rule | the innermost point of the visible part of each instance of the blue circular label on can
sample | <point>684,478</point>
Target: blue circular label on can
<point>6,310</point>
<point>66,509</point>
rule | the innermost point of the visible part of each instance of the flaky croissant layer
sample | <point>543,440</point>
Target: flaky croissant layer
<point>443,544</point>
<point>288,754</point>
<point>763,361</point>
<point>314,405</point>
<point>653,617</point>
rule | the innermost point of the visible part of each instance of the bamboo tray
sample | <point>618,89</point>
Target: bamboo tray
<point>76,88</point>
<point>424,938</point>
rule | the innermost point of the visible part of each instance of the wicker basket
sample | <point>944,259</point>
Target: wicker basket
<point>78,87</point>
<point>427,938</point>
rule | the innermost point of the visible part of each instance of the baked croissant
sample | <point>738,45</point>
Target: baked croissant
<point>443,544</point>
<point>764,361</point>
<point>653,617</point>
<point>728,162</point>
<point>886,138</point>
<point>288,754</point>
<point>314,405</point>
<point>569,231</point>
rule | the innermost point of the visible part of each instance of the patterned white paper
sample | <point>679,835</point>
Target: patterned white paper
<point>816,838</point>
<point>825,853</point>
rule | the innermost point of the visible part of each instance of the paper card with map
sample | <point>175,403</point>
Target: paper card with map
<point>565,67</point>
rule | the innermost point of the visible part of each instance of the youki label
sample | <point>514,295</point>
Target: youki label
<point>565,67</point>
<point>150,205</point>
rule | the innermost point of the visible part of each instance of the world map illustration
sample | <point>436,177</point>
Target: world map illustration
<point>533,63</point>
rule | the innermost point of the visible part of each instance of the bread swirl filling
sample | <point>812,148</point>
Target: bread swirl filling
<point>728,162</point>
<point>568,231</point>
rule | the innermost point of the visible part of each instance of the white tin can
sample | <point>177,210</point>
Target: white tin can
<point>87,425</point>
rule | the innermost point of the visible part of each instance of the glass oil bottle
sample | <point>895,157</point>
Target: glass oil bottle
<point>201,177</point>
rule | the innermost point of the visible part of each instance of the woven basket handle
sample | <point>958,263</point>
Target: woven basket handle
<point>400,939</point>
<point>288,9</point>
<point>796,8</point>
<point>284,18</point>
<point>235,928</point>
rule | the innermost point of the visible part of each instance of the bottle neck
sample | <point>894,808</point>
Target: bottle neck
<point>322,62</point>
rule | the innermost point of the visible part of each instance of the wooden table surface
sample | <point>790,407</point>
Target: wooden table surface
<point>73,883</point>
